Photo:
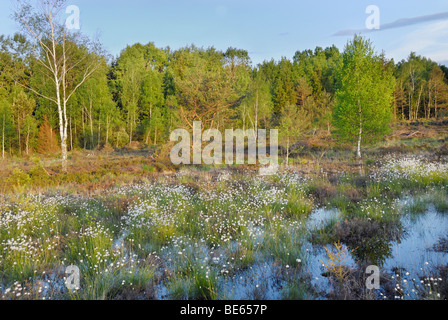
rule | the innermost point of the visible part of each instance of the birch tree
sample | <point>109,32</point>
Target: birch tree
<point>365,96</point>
<point>6,125</point>
<point>257,106</point>
<point>293,122</point>
<point>66,57</point>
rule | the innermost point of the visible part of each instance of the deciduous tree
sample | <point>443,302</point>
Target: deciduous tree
<point>67,58</point>
<point>364,99</point>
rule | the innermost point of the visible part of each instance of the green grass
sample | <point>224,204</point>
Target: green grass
<point>440,200</point>
<point>325,235</point>
<point>418,205</point>
<point>295,290</point>
<point>284,243</point>
<point>199,231</point>
<point>199,284</point>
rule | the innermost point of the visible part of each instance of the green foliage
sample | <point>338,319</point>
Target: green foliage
<point>6,127</point>
<point>94,110</point>
<point>147,91</point>
<point>18,179</point>
<point>38,174</point>
<point>257,106</point>
<point>365,95</point>
<point>206,87</point>
<point>293,122</point>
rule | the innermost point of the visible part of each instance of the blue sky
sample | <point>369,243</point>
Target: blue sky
<point>267,29</point>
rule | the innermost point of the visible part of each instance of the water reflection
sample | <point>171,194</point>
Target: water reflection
<point>370,241</point>
<point>406,244</point>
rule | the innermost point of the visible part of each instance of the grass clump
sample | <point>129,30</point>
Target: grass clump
<point>284,244</point>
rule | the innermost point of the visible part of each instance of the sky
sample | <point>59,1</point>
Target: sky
<point>266,29</point>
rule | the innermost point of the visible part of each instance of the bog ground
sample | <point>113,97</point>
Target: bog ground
<point>138,228</point>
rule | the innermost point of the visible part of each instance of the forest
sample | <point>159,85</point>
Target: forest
<point>146,92</point>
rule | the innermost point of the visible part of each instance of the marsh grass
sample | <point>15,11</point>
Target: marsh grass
<point>198,286</point>
<point>341,203</point>
<point>191,233</point>
<point>299,205</point>
<point>418,205</point>
<point>284,243</point>
<point>325,234</point>
<point>374,190</point>
<point>440,200</point>
<point>422,202</point>
<point>380,210</point>
<point>295,290</point>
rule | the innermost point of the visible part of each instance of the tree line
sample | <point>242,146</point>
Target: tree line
<point>61,89</point>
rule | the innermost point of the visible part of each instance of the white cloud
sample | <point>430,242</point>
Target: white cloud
<point>430,41</point>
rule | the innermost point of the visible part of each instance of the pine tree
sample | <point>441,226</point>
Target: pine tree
<point>47,141</point>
